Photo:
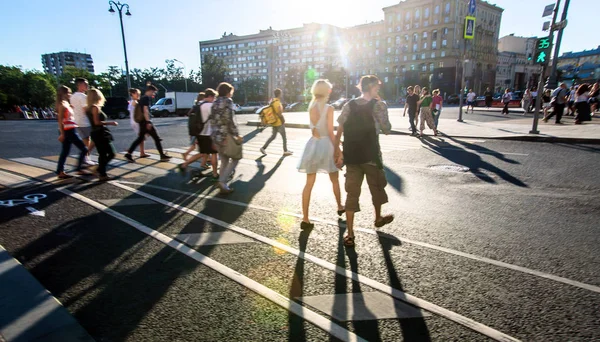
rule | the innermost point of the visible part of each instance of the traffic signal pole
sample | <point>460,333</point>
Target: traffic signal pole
<point>538,104</point>
<point>553,79</point>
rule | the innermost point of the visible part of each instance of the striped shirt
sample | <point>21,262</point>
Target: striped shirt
<point>69,117</point>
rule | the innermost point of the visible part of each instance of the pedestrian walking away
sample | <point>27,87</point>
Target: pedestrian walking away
<point>506,101</point>
<point>68,133</point>
<point>135,94</point>
<point>559,99</point>
<point>192,115</point>
<point>425,103</point>
<point>279,125</point>
<point>418,92</point>
<point>79,103</point>
<point>489,98</point>
<point>582,105</point>
<point>360,122</point>
<point>142,116</point>
<point>571,103</point>
<point>526,101</point>
<point>471,96</point>
<point>411,105</point>
<point>225,134</point>
<point>203,132</point>
<point>100,134</point>
<point>436,108</point>
<point>320,150</point>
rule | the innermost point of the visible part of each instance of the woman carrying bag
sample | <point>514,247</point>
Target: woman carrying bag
<point>225,134</point>
<point>100,135</point>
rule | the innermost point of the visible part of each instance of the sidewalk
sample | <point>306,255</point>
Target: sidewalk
<point>516,127</point>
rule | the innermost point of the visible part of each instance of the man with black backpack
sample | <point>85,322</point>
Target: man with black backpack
<point>142,116</point>
<point>361,121</point>
<point>199,126</point>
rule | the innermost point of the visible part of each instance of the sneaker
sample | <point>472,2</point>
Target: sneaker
<point>165,158</point>
<point>262,150</point>
<point>129,158</point>
<point>89,162</point>
<point>288,153</point>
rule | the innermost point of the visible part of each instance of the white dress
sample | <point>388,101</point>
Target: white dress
<point>134,125</point>
<point>317,156</point>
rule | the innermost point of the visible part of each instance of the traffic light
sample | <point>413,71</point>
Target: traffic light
<point>543,48</point>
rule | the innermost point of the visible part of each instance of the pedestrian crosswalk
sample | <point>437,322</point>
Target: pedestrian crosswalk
<point>151,166</point>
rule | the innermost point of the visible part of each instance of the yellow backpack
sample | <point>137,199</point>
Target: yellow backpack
<point>268,115</point>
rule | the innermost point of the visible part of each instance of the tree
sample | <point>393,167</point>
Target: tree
<point>30,87</point>
<point>337,77</point>
<point>293,85</point>
<point>213,71</point>
<point>40,91</point>
<point>251,89</point>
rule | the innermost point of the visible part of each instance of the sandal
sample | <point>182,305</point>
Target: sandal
<point>384,220</point>
<point>349,241</point>
<point>145,156</point>
<point>306,225</point>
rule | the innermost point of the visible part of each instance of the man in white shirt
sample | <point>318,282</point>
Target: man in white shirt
<point>84,129</point>
<point>534,95</point>
<point>471,100</point>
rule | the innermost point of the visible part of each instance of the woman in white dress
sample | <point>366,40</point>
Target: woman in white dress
<point>135,93</point>
<point>318,155</point>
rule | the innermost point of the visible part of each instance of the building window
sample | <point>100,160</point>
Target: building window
<point>407,17</point>
<point>441,64</point>
<point>434,35</point>
<point>405,58</point>
<point>424,35</point>
<point>431,67</point>
<point>415,37</point>
<point>434,45</point>
<point>443,53</point>
<point>424,67</point>
<point>414,57</point>
<point>415,47</point>
<point>433,55</point>
<point>389,50</point>
<point>412,67</point>
<point>427,13</point>
<point>426,23</point>
<point>398,17</point>
<point>436,10</point>
<point>424,45</point>
<point>389,40</point>
<point>423,56</point>
<point>417,14</point>
<point>447,9</point>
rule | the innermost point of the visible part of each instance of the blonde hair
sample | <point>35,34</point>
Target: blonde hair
<point>95,98</point>
<point>320,91</point>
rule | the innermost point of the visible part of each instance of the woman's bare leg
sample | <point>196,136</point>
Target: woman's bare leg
<point>310,182</point>
<point>334,177</point>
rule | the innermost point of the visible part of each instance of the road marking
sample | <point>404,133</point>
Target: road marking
<point>11,181</point>
<point>125,202</point>
<point>403,296</point>
<point>309,315</point>
<point>522,269</point>
<point>490,152</point>
<point>363,306</point>
<point>213,238</point>
<point>35,212</point>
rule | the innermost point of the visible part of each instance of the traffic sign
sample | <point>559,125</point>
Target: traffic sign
<point>469,27</point>
<point>543,48</point>
<point>548,10</point>
<point>472,7</point>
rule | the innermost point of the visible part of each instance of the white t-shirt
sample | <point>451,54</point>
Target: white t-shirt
<point>79,102</point>
<point>205,111</point>
<point>534,94</point>
<point>583,97</point>
<point>471,96</point>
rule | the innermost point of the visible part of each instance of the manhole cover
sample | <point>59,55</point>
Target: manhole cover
<point>450,168</point>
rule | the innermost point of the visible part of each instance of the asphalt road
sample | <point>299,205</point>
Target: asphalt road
<point>502,233</point>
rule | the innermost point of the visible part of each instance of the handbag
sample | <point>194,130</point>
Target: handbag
<point>232,148</point>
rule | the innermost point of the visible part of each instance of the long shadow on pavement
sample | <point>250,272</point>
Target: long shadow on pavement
<point>296,328</point>
<point>413,329</point>
<point>461,156</point>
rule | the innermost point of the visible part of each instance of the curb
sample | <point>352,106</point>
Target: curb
<point>526,137</point>
<point>28,312</point>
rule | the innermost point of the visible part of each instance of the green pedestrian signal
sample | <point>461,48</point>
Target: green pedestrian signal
<point>543,48</point>
<point>541,58</point>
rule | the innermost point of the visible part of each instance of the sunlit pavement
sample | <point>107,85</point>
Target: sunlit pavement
<point>491,241</point>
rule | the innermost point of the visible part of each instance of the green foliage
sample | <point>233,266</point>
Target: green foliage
<point>251,89</point>
<point>293,85</point>
<point>213,72</point>
<point>29,87</point>
<point>337,77</point>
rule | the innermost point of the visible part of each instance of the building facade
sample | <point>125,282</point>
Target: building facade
<point>54,63</point>
<point>516,69</point>
<point>580,67</point>
<point>301,54</point>
<point>418,42</point>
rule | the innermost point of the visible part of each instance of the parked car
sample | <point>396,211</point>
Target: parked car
<point>116,107</point>
<point>237,108</point>
<point>339,103</point>
<point>175,103</point>
<point>251,107</point>
<point>452,99</point>
<point>297,107</point>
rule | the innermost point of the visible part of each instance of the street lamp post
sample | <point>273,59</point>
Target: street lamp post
<point>120,7</point>
<point>184,73</point>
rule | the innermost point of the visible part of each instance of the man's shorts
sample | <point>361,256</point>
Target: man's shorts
<point>471,103</point>
<point>354,179</point>
<point>205,144</point>
<point>84,132</point>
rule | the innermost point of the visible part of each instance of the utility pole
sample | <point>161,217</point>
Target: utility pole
<point>462,83</point>
<point>553,80</point>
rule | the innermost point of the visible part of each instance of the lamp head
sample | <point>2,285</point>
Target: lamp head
<point>128,13</point>
<point>111,9</point>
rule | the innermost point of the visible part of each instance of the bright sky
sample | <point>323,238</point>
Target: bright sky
<point>159,30</point>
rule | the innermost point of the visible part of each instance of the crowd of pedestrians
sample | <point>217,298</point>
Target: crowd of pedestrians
<point>422,105</point>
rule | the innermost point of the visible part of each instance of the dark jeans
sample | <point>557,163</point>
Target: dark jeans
<point>411,118</point>
<point>280,130</point>
<point>505,109</point>
<point>143,131</point>
<point>558,110</point>
<point>71,138</point>
<point>106,152</point>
